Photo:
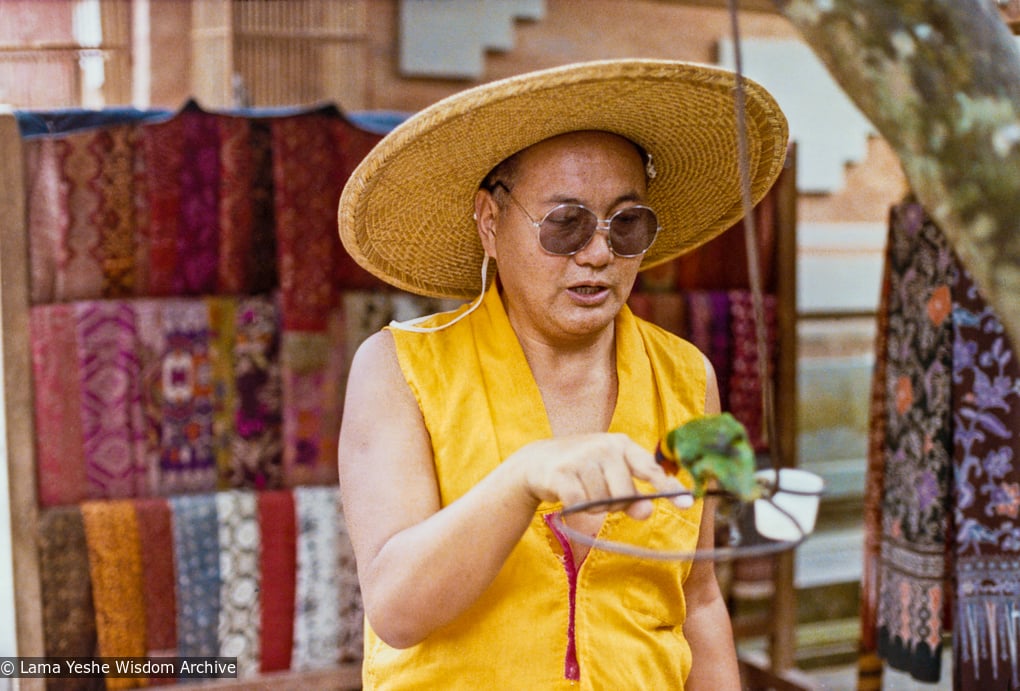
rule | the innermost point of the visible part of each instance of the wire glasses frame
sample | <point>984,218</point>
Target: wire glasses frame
<point>566,229</point>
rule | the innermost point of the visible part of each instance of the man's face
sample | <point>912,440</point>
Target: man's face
<point>566,298</point>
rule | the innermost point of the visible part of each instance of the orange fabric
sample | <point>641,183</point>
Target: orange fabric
<point>115,566</point>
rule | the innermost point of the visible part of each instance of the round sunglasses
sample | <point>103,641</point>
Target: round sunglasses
<point>568,228</point>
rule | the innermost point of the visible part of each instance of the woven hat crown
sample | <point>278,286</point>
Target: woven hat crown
<point>406,211</point>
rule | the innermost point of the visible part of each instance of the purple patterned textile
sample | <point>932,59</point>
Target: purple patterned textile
<point>110,398</point>
<point>198,239</point>
<point>986,425</point>
<point>912,563</point>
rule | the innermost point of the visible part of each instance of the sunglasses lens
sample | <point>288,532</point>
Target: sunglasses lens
<point>633,230</point>
<point>567,228</point>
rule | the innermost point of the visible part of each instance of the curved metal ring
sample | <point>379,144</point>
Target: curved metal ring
<point>726,553</point>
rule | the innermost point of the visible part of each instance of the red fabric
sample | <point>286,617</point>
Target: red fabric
<point>163,158</point>
<point>59,447</point>
<point>235,212</point>
<point>278,561</point>
<point>155,536</point>
<point>721,263</point>
<point>311,162</point>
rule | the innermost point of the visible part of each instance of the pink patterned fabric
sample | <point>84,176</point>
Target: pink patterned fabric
<point>312,365</point>
<point>48,218</point>
<point>745,391</point>
<point>110,398</point>
<point>60,458</point>
<point>198,237</point>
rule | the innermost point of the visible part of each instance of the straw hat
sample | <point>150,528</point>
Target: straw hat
<point>406,211</point>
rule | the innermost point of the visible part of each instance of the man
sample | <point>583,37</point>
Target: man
<point>464,434</point>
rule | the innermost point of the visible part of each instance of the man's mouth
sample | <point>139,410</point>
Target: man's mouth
<point>588,290</point>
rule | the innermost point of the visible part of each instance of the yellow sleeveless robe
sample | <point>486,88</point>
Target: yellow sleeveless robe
<point>480,404</point>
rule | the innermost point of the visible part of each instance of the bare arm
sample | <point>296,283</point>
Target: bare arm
<point>419,564</point>
<point>707,628</point>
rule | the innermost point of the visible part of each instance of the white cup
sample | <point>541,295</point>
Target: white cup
<point>774,524</point>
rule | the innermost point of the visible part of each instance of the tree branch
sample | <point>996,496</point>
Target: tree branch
<point>940,80</point>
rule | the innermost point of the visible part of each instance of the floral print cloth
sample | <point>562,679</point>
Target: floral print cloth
<point>942,547</point>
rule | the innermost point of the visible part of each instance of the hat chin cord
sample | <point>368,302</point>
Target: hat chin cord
<point>412,324</point>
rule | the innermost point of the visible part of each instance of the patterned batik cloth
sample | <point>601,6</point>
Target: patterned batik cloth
<point>69,624</point>
<point>708,323</point>
<point>316,621</point>
<point>222,325</point>
<point>187,392</point>
<point>986,425</point>
<point>111,403</point>
<point>912,566</point>
<point>240,577</point>
<point>115,567</point>
<point>311,363</point>
<point>198,238</point>
<point>236,176</point>
<point>744,386</point>
<point>60,457</point>
<point>197,564</point>
<point>313,154</point>
<point>257,457</point>
<point>81,214</point>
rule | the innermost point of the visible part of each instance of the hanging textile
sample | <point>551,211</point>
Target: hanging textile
<point>258,445</point>
<point>986,437</point>
<point>198,238</point>
<point>197,564</point>
<point>263,275</point>
<point>68,616</point>
<point>222,313</point>
<point>187,453</point>
<point>81,215</point>
<point>708,320</point>
<point>316,624</point>
<point>310,165</point>
<point>312,365</point>
<point>161,158</point>
<point>744,388</point>
<point>278,564</point>
<point>115,567</point>
<point>240,580</point>
<point>912,563</point>
<point>60,456</point>
<point>668,310</point>
<point>155,537</point>
<point>235,217</point>
<point>109,381</point>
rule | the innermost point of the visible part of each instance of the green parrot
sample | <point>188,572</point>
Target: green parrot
<point>712,447</point>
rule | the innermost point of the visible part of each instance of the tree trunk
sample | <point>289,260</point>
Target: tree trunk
<point>940,80</point>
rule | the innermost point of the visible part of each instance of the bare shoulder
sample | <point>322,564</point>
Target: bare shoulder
<point>383,437</point>
<point>378,397</point>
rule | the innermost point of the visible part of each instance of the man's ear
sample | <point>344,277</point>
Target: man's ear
<point>486,214</point>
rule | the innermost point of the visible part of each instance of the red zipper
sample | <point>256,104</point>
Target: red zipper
<point>571,667</point>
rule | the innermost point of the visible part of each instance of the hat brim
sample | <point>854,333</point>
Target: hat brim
<point>405,214</point>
